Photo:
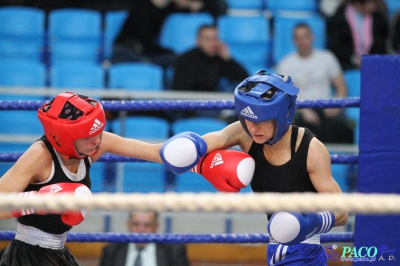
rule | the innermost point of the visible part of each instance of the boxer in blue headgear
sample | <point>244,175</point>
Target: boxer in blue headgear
<point>263,97</point>
<point>287,158</point>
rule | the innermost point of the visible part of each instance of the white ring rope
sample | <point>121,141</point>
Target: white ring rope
<point>209,202</point>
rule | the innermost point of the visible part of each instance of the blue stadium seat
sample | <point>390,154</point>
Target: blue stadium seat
<point>199,125</point>
<point>135,76</point>
<point>143,176</point>
<point>340,173</point>
<point>15,72</point>
<point>21,122</point>
<point>21,128</point>
<point>114,21</point>
<point>22,33</point>
<point>75,35</point>
<point>77,75</point>
<point>276,6</point>
<point>4,167</point>
<point>97,176</point>
<point>21,73</point>
<point>179,30</point>
<point>248,4</point>
<point>11,147</point>
<point>353,81</point>
<point>142,127</point>
<point>282,41</point>
<point>248,39</point>
<point>192,182</point>
<point>392,7</point>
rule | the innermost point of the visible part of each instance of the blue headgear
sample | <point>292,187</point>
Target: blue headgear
<point>263,97</point>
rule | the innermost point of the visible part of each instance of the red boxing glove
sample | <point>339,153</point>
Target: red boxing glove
<point>226,170</point>
<point>68,217</point>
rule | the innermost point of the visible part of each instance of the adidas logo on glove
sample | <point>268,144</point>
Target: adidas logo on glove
<point>217,160</point>
<point>248,112</point>
<point>55,188</point>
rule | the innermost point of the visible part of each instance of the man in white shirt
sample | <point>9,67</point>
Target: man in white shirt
<point>318,75</point>
<point>151,254</point>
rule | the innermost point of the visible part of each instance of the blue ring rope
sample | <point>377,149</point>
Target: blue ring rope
<point>180,238</point>
<point>134,105</point>
<point>13,156</point>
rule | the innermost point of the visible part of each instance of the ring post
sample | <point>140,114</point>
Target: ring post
<point>379,157</point>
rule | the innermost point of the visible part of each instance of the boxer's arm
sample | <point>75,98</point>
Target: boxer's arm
<point>319,170</point>
<point>112,143</point>
<point>230,136</point>
<point>33,166</point>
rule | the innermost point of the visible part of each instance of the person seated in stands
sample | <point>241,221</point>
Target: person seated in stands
<point>394,34</point>
<point>315,72</point>
<point>359,27</point>
<point>144,222</point>
<point>204,67</point>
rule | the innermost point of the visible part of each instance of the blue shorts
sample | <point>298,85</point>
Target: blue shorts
<point>296,255</point>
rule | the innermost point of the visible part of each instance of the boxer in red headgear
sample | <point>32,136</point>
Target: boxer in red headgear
<point>70,117</point>
<point>59,163</point>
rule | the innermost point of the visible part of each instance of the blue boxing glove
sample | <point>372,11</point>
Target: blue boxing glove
<point>183,151</point>
<point>290,228</point>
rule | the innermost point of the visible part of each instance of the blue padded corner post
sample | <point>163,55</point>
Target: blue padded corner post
<point>379,157</point>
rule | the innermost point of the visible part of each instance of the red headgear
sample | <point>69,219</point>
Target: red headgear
<point>69,117</point>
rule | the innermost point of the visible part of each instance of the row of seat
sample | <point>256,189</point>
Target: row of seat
<point>82,75</point>
<point>129,76</point>
<point>78,34</point>
<point>79,75</point>
<point>276,6</point>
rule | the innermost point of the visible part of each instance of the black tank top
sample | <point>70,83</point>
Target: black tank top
<point>51,223</point>
<point>289,177</point>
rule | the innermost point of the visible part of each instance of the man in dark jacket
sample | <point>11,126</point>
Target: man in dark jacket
<point>201,68</point>
<point>148,253</point>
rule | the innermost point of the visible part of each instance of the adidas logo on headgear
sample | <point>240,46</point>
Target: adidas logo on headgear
<point>96,126</point>
<point>248,112</point>
<point>217,160</point>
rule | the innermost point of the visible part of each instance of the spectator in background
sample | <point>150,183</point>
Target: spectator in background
<point>394,34</point>
<point>203,67</point>
<point>138,38</point>
<point>357,28</point>
<point>314,71</point>
<point>150,253</point>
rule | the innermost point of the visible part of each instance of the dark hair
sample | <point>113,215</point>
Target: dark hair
<point>302,25</point>
<point>205,27</point>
